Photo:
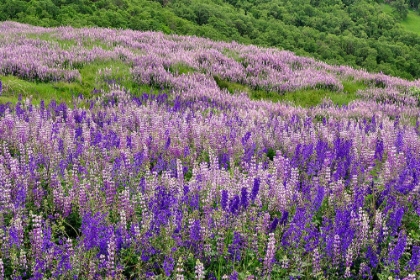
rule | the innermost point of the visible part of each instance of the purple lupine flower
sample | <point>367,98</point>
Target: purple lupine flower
<point>372,257</point>
<point>395,220</point>
<point>273,225</point>
<point>195,231</point>
<point>379,149</point>
<point>93,230</point>
<point>1,87</point>
<point>255,188</point>
<point>234,204</point>
<point>37,237</point>
<point>224,199</point>
<point>186,151</point>
<point>224,161</point>
<point>413,264</point>
<point>234,275</point>
<point>365,271</point>
<point>244,197</point>
<point>270,254</point>
<point>245,138</point>
<point>249,153</point>
<point>398,250</point>
<point>235,248</point>
<point>318,198</point>
<point>316,261</point>
<point>168,143</point>
<point>399,142</point>
<point>284,217</point>
<point>168,265</point>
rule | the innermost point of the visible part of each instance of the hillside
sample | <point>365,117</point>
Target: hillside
<point>64,62</point>
<point>355,33</point>
<point>140,155</point>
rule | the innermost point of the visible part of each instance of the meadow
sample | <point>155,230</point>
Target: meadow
<point>139,155</point>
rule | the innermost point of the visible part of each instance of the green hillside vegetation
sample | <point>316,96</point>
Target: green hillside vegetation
<point>355,33</point>
<point>15,88</point>
<point>410,23</point>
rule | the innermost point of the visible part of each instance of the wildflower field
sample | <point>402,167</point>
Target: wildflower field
<point>138,155</point>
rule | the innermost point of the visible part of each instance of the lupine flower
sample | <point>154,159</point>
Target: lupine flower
<point>316,266</point>
<point>199,270</point>
<point>273,225</point>
<point>234,204</point>
<point>244,197</point>
<point>133,170</point>
<point>372,257</point>
<point>179,270</point>
<point>1,269</point>
<point>235,248</point>
<point>195,231</point>
<point>255,188</point>
<point>415,259</point>
<point>168,265</point>
<point>395,219</point>
<point>269,255</point>
<point>234,275</point>
<point>398,249</point>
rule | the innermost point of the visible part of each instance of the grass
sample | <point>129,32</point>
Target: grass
<point>63,44</point>
<point>14,87</point>
<point>102,74</point>
<point>386,8</point>
<point>68,44</point>
<point>303,97</point>
<point>179,69</point>
<point>411,23</point>
<point>113,72</point>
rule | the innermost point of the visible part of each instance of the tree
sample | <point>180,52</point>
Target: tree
<point>400,9</point>
<point>414,4</point>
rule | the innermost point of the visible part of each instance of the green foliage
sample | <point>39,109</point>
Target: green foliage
<point>179,69</point>
<point>412,22</point>
<point>400,8</point>
<point>99,75</point>
<point>60,91</point>
<point>303,97</point>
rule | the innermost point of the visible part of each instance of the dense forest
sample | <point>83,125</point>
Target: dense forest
<point>358,33</point>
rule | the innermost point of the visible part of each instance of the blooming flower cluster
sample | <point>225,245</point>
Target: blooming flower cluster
<point>197,183</point>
